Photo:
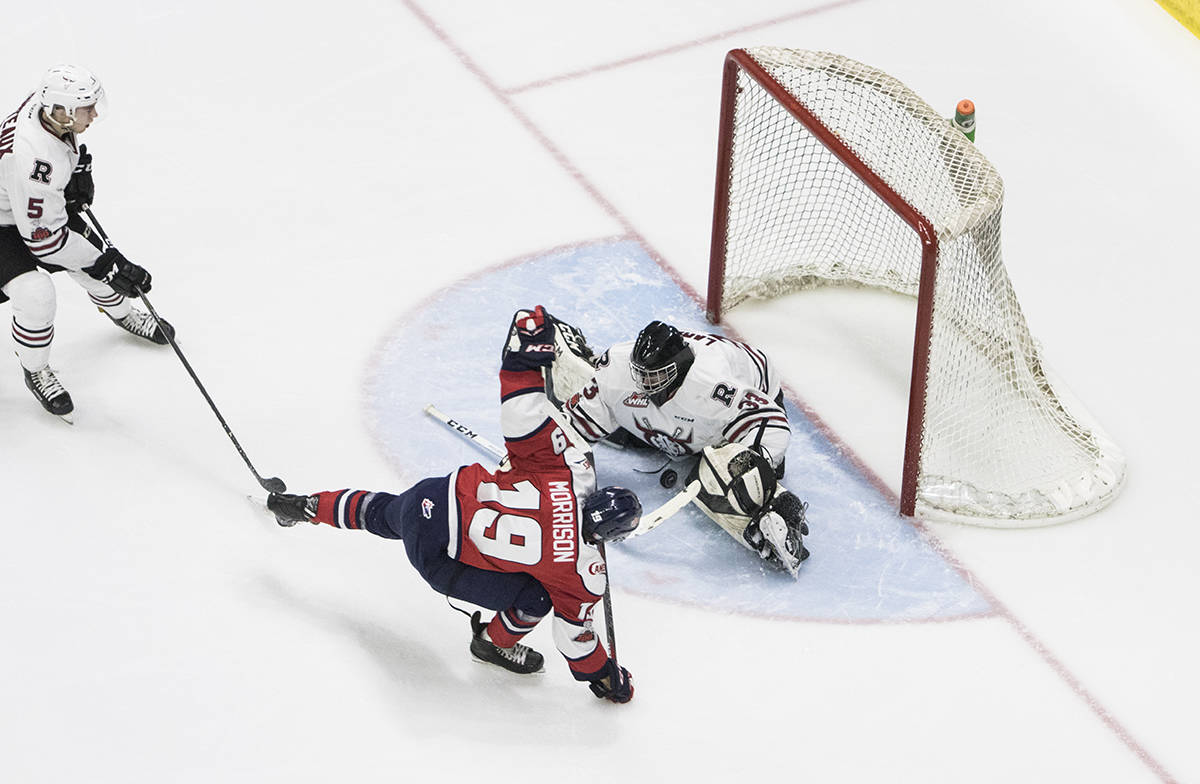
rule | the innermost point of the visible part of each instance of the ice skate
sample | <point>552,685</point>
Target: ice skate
<point>779,542</point>
<point>144,325</point>
<point>519,658</point>
<point>46,388</point>
<point>787,550</point>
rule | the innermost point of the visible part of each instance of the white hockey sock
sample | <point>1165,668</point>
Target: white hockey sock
<point>115,306</point>
<point>33,307</point>
<point>102,295</point>
<point>33,345</point>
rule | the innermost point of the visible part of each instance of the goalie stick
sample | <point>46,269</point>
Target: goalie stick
<point>673,505</point>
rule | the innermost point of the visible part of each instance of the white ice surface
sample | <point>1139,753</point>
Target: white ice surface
<point>298,177</point>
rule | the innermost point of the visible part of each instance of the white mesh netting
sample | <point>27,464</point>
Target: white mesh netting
<point>1001,444</point>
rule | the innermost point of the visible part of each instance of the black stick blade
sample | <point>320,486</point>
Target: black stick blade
<point>273,484</point>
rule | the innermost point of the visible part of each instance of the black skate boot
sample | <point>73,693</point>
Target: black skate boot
<point>519,658</point>
<point>50,393</point>
<point>144,326</point>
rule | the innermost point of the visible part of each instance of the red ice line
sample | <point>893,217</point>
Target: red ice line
<point>504,97</point>
<point>680,47</point>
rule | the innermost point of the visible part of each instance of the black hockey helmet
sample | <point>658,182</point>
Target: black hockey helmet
<point>660,360</point>
<point>610,514</point>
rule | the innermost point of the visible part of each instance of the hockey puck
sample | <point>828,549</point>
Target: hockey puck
<point>668,478</point>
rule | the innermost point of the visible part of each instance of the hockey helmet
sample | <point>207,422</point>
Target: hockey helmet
<point>71,87</point>
<point>610,514</point>
<point>660,360</point>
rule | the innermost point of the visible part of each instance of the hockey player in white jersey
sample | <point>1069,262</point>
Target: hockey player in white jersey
<point>689,394</point>
<point>45,182</point>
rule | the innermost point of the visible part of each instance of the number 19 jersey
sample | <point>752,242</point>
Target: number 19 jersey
<point>528,518</point>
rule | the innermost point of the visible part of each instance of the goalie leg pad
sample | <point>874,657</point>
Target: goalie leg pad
<point>713,501</point>
<point>742,476</point>
<point>775,532</point>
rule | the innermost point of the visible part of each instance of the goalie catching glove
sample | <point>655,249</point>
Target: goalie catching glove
<point>574,362</point>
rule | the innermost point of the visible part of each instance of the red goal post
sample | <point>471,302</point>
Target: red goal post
<point>833,172</point>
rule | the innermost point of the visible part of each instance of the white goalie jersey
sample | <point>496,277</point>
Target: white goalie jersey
<point>731,394</point>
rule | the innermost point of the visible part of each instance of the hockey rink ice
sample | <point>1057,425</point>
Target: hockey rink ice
<point>342,205</point>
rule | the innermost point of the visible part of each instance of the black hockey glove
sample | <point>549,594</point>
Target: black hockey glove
<point>612,685</point>
<point>123,275</point>
<point>80,190</point>
<point>530,341</point>
<point>291,509</point>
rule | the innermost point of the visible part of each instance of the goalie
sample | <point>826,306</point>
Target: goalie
<point>688,394</point>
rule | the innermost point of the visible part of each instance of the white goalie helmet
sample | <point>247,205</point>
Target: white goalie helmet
<point>71,87</point>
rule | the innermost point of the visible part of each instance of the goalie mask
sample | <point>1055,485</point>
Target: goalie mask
<point>660,360</point>
<point>71,87</point>
<point>610,514</point>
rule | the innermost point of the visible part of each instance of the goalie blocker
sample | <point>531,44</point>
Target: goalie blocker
<point>739,491</point>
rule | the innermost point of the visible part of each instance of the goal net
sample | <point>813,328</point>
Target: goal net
<point>832,172</point>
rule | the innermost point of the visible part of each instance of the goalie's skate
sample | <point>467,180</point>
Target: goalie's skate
<point>46,387</point>
<point>145,326</point>
<point>781,543</point>
<point>519,658</point>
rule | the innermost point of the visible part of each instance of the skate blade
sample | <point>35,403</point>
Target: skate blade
<point>501,668</point>
<point>68,418</point>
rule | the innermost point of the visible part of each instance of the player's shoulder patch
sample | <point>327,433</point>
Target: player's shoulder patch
<point>42,170</point>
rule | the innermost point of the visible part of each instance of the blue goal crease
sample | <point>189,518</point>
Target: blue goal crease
<point>868,564</point>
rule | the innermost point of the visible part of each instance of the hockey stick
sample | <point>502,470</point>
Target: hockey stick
<point>466,432</point>
<point>608,615</point>
<point>649,522</point>
<point>271,484</point>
